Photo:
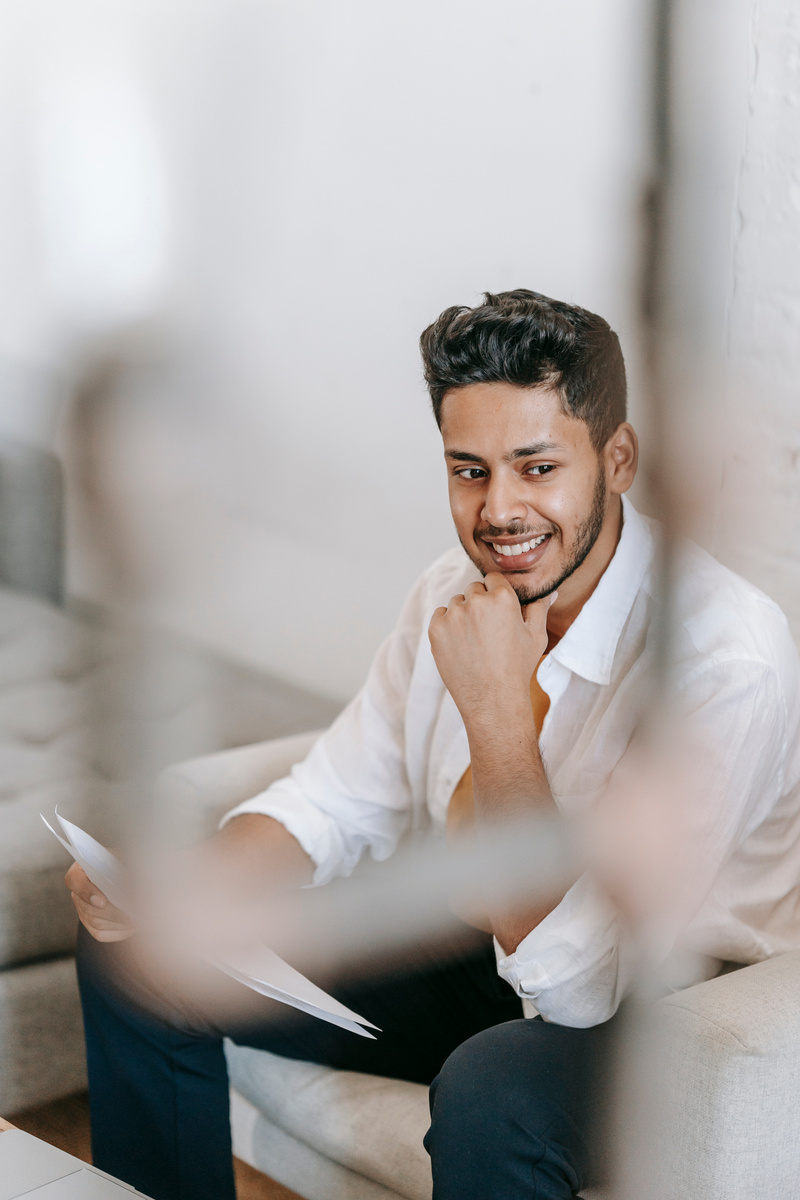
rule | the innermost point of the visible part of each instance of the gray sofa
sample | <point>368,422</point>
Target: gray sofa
<point>47,661</point>
<point>732,1107</point>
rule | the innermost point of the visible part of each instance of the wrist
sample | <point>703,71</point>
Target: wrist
<point>509,718</point>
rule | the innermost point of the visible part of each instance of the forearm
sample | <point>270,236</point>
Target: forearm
<point>259,852</point>
<point>509,778</point>
<point>250,858</point>
<point>509,781</point>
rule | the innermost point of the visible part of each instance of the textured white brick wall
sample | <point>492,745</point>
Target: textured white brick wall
<point>759,526</point>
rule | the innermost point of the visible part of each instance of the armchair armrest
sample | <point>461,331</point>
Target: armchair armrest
<point>734,1062</point>
<point>197,793</point>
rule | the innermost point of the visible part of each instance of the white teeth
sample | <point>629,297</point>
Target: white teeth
<point>519,548</point>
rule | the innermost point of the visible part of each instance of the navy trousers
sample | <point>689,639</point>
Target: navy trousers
<point>512,1100</point>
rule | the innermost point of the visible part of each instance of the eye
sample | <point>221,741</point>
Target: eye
<point>471,473</point>
<point>540,469</point>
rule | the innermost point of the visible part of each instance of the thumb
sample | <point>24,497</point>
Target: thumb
<point>537,610</point>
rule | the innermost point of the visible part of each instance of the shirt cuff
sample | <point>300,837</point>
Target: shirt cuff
<point>568,967</point>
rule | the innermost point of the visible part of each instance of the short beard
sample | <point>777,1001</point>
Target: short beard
<point>586,535</point>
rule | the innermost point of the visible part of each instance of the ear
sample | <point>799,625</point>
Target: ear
<point>621,458</point>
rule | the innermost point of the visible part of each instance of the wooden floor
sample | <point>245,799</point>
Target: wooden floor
<point>65,1124</point>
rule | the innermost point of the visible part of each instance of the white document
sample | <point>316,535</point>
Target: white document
<point>261,969</point>
<point>258,968</point>
<point>105,871</point>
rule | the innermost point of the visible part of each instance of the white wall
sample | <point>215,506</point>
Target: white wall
<point>736,299</point>
<point>338,173</point>
<point>760,517</point>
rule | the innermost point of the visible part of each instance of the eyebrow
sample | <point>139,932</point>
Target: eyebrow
<point>512,456</point>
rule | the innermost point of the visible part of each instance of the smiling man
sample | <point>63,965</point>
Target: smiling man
<point>511,685</point>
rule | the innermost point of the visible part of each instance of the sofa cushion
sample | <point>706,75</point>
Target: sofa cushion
<point>48,662</point>
<point>372,1125</point>
<point>41,1034</point>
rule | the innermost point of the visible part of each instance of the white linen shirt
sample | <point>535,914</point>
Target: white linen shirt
<point>391,761</point>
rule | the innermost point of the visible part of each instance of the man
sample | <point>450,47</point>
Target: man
<point>511,685</point>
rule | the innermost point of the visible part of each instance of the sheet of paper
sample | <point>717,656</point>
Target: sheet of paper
<point>105,871</point>
<point>267,973</point>
<point>264,989</point>
<point>258,967</point>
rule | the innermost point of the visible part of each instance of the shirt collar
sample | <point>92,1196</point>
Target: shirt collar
<point>589,645</point>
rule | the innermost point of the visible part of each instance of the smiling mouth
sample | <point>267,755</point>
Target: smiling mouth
<point>518,555</point>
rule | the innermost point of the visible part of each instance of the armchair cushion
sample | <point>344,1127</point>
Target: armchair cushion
<point>371,1125</point>
<point>198,793</point>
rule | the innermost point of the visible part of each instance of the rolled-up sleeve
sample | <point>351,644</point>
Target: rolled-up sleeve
<point>576,965</point>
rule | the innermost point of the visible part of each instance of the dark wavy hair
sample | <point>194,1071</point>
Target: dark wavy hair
<point>524,338</point>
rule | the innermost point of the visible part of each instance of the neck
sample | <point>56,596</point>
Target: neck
<point>575,591</point>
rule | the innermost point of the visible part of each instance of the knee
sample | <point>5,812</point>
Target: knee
<point>484,1080</point>
<point>505,1107</point>
<point>520,1072</point>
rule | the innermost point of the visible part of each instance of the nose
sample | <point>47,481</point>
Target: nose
<point>503,504</point>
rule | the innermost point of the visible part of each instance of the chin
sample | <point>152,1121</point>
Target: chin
<point>529,590</point>
<point>530,595</point>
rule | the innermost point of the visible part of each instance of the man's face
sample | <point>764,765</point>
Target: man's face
<point>528,490</point>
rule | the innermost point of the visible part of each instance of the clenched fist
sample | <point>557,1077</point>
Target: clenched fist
<point>487,648</point>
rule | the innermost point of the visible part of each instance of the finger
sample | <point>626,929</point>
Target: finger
<point>81,885</point>
<point>100,929</point>
<point>534,610</point>
<point>108,935</point>
<point>102,918</point>
<point>435,621</point>
<point>473,590</point>
<point>496,582</point>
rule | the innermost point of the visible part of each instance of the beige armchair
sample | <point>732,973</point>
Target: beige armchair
<point>734,1050</point>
